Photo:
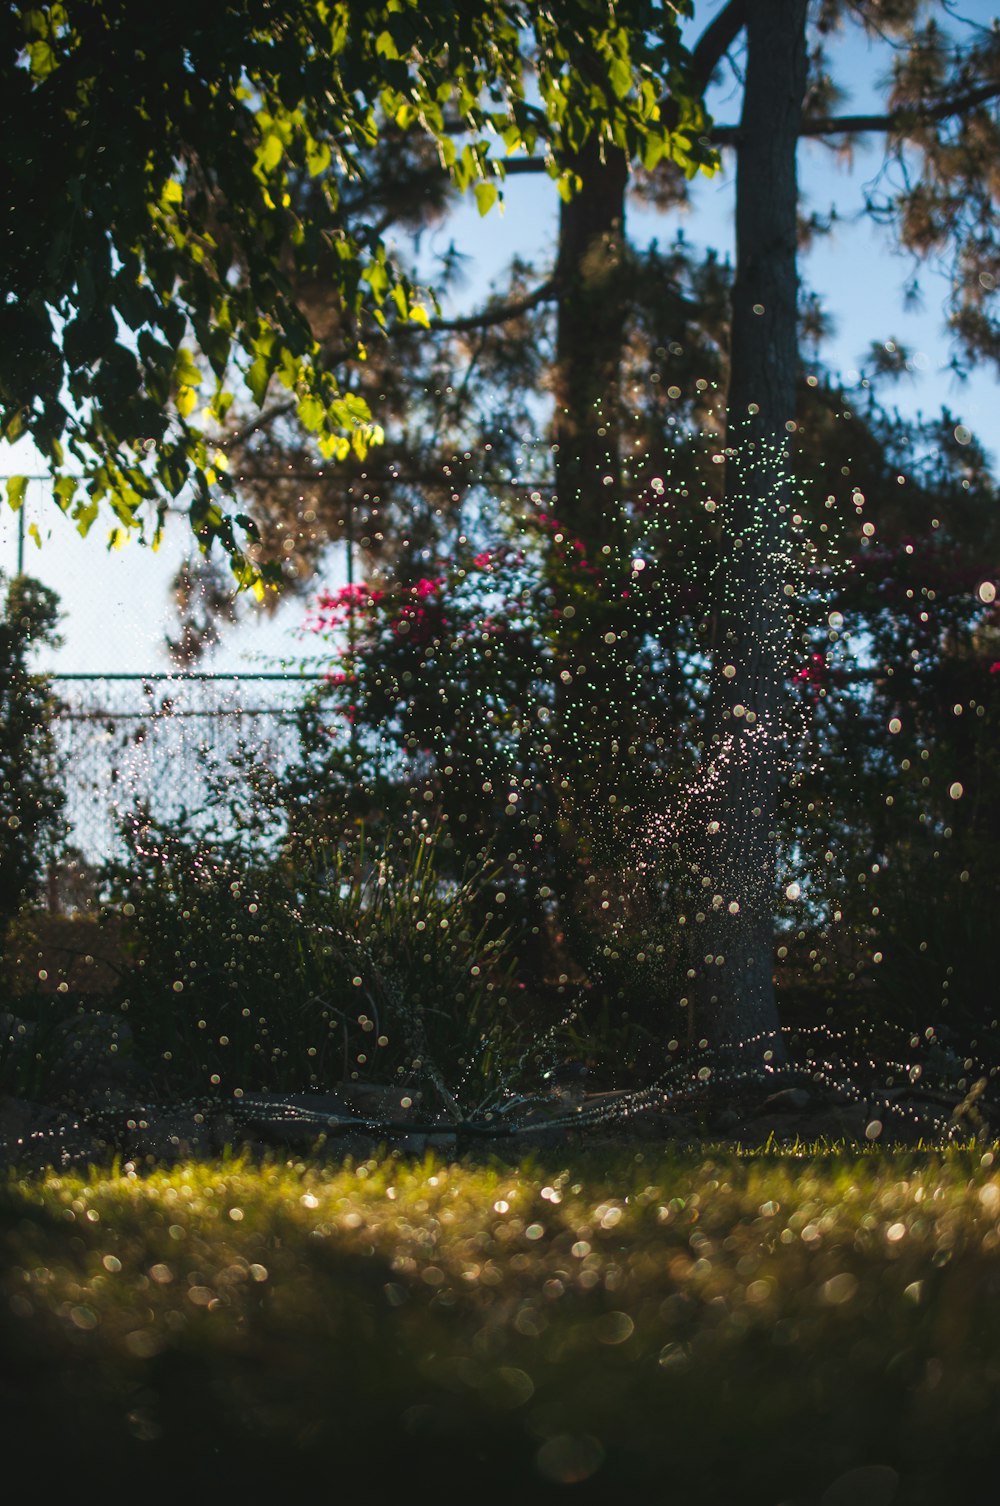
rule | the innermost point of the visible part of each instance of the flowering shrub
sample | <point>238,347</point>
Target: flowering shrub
<point>543,695</point>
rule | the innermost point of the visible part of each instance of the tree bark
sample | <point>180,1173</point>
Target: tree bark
<point>586,382</point>
<point>735,1006</point>
<point>589,274</point>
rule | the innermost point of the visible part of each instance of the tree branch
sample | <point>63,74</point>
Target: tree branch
<point>535,113</point>
<point>895,120</point>
<point>500,313</point>
<point>716,40</point>
<point>263,420</point>
<point>512,166</point>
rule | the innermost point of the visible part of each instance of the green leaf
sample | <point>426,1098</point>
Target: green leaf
<point>311,412</point>
<point>258,377</point>
<point>654,148</point>
<point>486,196</point>
<point>318,157</point>
<point>377,278</point>
<point>248,525</point>
<point>186,373</point>
<point>269,152</point>
<point>220,405</point>
<point>17,487</point>
<point>85,516</point>
<point>42,58</point>
<point>620,75</point>
<point>65,491</point>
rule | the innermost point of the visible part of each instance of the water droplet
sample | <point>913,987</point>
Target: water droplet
<point>569,1458</point>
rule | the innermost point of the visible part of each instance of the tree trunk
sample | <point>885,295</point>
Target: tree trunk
<point>589,344</point>
<point>752,652</point>
<point>586,436</point>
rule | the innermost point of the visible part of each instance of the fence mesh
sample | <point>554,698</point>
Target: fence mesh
<point>167,741</point>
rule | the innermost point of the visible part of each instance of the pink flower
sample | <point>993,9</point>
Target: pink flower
<point>335,607</point>
<point>426,586</point>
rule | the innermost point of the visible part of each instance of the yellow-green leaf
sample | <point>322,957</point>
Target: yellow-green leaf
<point>186,399</point>
<point>318,158</point>
<point>620,75</point>
<point>377,279</point>
<point>186,373</point>
<point>257,379</point>
<point>486,196</point>
<point>42,58</point>
<point>333,447</point>
<point>85,516</point>
<point>17,488</point>
<point>65,491</point>
<point>311,413</point>
<point>269,152</point>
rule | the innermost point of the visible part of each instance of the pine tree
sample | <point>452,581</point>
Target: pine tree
<point>712,586</point>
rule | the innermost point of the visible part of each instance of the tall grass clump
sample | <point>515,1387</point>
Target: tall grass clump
<point>312,963</point>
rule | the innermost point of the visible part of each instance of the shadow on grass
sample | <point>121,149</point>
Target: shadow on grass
<point>719,1327</point>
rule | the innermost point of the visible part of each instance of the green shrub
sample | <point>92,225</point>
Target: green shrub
<point>31,798</point>
<point>320,963</point>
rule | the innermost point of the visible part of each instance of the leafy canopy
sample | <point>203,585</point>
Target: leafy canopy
<point>151,245</point>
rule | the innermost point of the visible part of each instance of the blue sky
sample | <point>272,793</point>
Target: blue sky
<point>116,604</point>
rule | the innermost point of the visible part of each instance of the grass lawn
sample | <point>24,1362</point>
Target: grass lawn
<point>712,1327</point>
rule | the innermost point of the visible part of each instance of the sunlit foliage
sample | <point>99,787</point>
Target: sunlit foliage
<point>152,243</point>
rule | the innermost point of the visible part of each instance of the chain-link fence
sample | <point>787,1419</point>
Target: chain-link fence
<point>169,741</point>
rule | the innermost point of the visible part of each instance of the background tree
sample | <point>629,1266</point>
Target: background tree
<point>612,578</point>
<point>31,793</point>
<point>938,116</point>
<point>757,629</point>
